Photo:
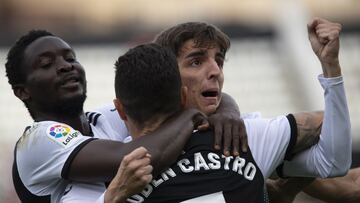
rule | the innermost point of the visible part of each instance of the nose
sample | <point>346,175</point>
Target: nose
<point>64,66</point>
<point>214,70</point>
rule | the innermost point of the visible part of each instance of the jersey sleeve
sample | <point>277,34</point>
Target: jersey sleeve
<point>332,155</point>
<point>270,140</point>
<point>111,115</point>
<point>44,155</point>
<point>77,192</point>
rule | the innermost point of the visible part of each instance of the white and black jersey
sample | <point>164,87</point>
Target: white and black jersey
<point>204,175</point>
<point>43,155</point>
<point>112,116</point>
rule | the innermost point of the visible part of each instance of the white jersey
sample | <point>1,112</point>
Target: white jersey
<point>112,116</point>
<point>43,155</point>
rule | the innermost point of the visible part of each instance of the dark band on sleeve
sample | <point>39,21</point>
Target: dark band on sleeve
<point>279,170</point>
<point>69,160</point>
<point>23,193</point>
<point>293,137</point>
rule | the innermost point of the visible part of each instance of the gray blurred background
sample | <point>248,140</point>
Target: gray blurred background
<point>270,67</point>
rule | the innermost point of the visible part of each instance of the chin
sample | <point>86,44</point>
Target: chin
<point>72,106</point>
<point>208,110</point>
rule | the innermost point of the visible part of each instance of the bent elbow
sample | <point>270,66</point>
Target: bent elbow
<point>340,171</point>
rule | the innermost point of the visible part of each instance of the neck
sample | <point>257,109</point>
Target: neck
<point>148,127</point>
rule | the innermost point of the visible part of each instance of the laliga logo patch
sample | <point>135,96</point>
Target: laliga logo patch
<point>62,134</point>
<point>59,131</point>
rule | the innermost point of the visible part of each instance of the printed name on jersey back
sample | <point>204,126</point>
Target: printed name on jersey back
<point>200,161</point>
<point>62,134</point>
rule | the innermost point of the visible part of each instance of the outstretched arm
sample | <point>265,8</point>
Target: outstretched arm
<point>332,155</point>
<point>100,159</point>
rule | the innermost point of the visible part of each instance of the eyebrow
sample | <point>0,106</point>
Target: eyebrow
<point>196,53</point>
<point>50,53</point>
<point>203,53</point>
<point>220,54</point>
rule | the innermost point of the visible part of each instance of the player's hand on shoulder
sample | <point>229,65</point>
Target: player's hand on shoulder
<point>199,120</point>
<point>230,132</point>
<point>133,175</point>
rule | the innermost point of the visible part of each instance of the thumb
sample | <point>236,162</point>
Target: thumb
<point>200,121</point>
<point>311,31</point>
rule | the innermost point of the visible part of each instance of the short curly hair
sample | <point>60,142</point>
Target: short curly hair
<point>15,56</point>
<point>148,82</point>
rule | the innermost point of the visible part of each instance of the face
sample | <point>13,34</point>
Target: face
<point>55,80</point>
<point>201,72</point>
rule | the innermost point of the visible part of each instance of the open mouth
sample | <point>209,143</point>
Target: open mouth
<point>71,81</point>
<point>210,93</point>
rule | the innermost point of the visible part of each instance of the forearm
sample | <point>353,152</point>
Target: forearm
<point>167,145</point>
<point>342,189</point>
<point>228,104</point>
<point>285,190</point>
<point>100,159</point>
<point>334,191</point>
<point>332,155</point>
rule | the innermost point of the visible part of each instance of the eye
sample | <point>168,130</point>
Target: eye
<point>70,58</point>
<point>45,62</point>
<point>220,62</point>
<point>195,62</point>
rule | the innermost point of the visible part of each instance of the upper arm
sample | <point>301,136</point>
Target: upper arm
<point>228,104</point>
<point>308,129</point>
<point>99,160</point>
<point>42,153</point>
<point>269,141</point>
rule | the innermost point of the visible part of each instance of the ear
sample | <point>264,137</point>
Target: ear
<point>120,109</point>
<point>184,92</point>
<point>21,92</point>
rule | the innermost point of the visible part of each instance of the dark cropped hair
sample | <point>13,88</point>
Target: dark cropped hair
<point>203,34</point>
<point>147,81</point>
<point>15,57</point>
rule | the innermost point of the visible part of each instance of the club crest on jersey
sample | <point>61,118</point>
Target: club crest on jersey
<point>62,134</point>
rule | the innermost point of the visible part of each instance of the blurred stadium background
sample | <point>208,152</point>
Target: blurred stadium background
<point>270,67</point>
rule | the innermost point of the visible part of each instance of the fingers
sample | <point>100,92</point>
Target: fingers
<point>136,154</point>
<point>243,137</point>
<point>328,32</point>
<point>200,121</point>
<point>227,138</point>
<point>144,175</point>
<point>139,171</point>
<point>134,173</point>
<point>230,133</point>
<point>218,131</point>
<point>136,160</point>
<point>324,30</point>
<point>236,140</point>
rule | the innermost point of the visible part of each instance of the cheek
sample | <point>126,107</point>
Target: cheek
<point>192,86</point>
<point>221,80</point>
<point>187,79</point>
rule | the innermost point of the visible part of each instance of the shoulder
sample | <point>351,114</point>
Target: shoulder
<point>263,123</point>
<point>110,115</point>
<point>49,134</point>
